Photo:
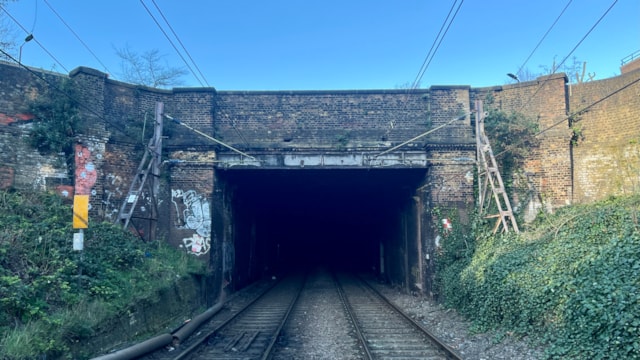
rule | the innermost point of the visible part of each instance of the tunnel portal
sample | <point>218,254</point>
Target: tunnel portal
<point>286,220</point>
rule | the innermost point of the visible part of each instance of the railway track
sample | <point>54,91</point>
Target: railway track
<point>322,316</point>
<point>252,332</point>
<point>385,331</point>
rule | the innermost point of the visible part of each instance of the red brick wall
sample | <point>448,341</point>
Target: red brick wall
<point>606,155</point>
<point>543,100</point>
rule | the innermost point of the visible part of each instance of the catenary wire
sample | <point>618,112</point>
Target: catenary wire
<point>172,44</point>
<point>543,37</point>
<point>35,17</point>
<point>446,24</point>
<point>34,39</point>
<point>569,54</point>
<point>180,42</point>
<point>578,112</point>
<point>233,124</point>
<point>58,89</point>
<point>77,36</point>
<point>438,40</point>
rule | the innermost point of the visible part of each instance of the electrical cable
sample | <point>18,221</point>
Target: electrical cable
<point>577,112</point>
<point>543,37</point>
<point>180,42</point>
<point>233,124</point>
<point>172,44</point>
<point>430,54</point>
<point>34,39</point>
<point>77,37</point>
<point>566,57</point>
<point>80,104</point>
<point>446,24</point>
<point>35,17</point>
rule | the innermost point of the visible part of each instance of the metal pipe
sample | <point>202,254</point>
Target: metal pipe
<point>140,349</point>
<point>185,331</point>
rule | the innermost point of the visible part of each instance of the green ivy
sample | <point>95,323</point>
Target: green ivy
<point>56,121</point>
<point>574,277</point>
<point>43,281</point>
<point>512,137</point>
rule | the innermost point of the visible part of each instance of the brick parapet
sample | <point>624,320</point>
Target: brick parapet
<point>544,101</point>
<point>606,153</point>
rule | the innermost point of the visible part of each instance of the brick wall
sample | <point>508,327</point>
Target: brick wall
<point>606,155</point>
<point>20,165</point>
<point>321,119</point>
<point>542,100</point>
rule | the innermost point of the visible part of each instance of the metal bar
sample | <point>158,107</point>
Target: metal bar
<point>422,135</point>
<point>210,137</point>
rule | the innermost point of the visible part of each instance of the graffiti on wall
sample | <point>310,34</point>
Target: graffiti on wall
<point>192,212</point>
<point>114,191</point>
<point>86,173</point>
<point>7,119</point>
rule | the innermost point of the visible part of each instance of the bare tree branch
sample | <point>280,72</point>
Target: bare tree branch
<point>148,68</point>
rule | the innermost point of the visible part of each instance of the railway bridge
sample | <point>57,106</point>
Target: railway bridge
<point>345,178</point>
<point>259,182</point>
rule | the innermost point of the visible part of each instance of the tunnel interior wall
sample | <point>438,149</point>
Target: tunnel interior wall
<point>291,220</point>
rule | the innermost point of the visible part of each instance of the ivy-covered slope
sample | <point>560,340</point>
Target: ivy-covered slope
<point>52,296</point>
<point>571,281</point>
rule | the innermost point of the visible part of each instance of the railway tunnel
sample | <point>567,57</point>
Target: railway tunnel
<point>343,179</point>
<point>363,219</point>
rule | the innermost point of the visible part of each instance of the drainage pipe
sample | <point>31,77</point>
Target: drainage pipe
<point>188,328</point>
<point>163,340</point>
<point>140,349</point>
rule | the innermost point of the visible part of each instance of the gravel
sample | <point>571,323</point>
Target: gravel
<point>452,329</point>
<point>319,329</point>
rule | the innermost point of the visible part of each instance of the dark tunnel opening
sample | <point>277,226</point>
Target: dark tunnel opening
<point>285,220</point>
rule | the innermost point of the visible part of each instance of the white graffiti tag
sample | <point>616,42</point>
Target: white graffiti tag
<point>196,245</point>
<point>193,212</point>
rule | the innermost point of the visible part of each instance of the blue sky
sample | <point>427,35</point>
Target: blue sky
<point>331,44</point>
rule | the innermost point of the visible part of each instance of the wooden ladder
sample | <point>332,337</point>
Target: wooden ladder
<point>150,165</point>
<point>489,176</point>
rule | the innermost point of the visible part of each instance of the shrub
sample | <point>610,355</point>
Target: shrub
<point>574,277</point>
<point>50,295</point>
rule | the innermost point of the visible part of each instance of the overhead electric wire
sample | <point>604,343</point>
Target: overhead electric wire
<point>77,36</point>
<point>543,37</point>
<point>35,17</point>
<point>436,43</point>
<point>446,24</point>
<point>34,39</point>
<point>80,104</point>
<point>578,112</point>
<point>569,54</point>
<point>172,44</point>
<point>180,42</point>
<point>239,133</point>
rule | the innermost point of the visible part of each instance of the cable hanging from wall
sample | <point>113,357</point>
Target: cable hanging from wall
<point>578,112</point>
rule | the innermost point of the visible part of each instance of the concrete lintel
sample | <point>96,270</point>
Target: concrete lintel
<point>406,159</point>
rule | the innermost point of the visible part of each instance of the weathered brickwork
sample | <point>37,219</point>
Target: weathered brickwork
<point>606,153</point>
<point>543,100</point>
<point>196,207</point>
<point>189,211</point>
<point>321,119</point>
